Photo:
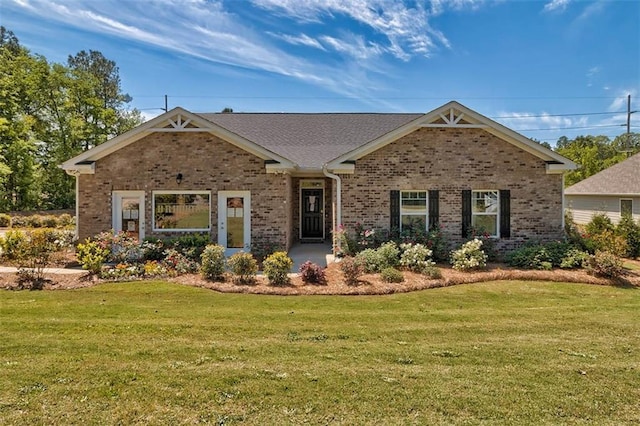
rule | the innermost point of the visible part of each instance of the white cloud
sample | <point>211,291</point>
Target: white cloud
<point>556,5</point>
<point>405,28</point>
<point>529,121</point>
<point>302,40</point>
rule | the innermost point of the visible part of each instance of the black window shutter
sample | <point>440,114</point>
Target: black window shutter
<point>466,213</point>
<point>394,203</point>
<point>505,213</point>
<point>434,208</point>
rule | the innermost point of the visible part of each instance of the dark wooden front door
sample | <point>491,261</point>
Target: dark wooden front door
<point>312,214</point>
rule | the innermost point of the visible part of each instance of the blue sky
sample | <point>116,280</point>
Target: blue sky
<point>530,65</point>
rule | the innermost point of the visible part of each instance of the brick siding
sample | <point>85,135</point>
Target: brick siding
<point>206,162</point>
<point>451,160</point>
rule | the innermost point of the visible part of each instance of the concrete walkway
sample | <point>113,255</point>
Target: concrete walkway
<point>69,271</point>
<point>318,253</point>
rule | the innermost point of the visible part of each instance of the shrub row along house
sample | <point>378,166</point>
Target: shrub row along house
<point>247,178</point>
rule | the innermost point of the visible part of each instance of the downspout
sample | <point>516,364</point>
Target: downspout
<point>564,211</point>
<point>77,206</point>
<point>337,220</point>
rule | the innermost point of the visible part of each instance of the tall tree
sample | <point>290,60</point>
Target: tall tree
<point>592,153</point>
<point>50,113</point>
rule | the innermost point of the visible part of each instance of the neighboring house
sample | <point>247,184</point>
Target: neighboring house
<point>248,178</point>
<point>612,191</point>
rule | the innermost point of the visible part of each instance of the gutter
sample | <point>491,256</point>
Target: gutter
<point>337,220</point>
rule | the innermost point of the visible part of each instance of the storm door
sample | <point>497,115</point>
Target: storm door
<point>312,210</point>
<point>128,213</point>
<point>234,221</point>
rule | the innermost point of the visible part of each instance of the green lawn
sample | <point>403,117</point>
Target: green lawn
<point>159,353</point>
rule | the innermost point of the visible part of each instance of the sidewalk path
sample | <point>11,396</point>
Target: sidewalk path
<point>62,271</point>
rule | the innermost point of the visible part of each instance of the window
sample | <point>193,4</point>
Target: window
<point>626,207</point>
<point>413,210</point>
<point>484,212</point>
<point>181,211</point>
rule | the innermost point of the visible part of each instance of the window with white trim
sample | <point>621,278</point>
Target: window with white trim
<point>626,206</point>
<point>485,210</point>
<point>413,210</point>
<point>181,211</point>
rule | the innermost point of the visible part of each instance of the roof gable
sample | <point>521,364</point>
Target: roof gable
<point>456,115</point>
<point>620,179</point>
<point>176,120</point>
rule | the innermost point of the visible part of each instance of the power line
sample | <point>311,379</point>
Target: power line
<point>576,114</point>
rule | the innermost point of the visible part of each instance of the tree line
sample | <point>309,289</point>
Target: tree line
<point>50,112</point>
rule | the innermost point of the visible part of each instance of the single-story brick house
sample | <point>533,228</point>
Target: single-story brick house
<point>613,191</point>
<point>283,177</point>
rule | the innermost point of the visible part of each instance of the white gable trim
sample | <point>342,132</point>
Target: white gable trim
<point>456,115</point>
<point>176,120</point>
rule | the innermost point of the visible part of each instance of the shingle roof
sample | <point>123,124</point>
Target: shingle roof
<point>621,178</point>
<point>310,140</point>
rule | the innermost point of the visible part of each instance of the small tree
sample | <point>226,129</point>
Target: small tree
<point>212,262</point>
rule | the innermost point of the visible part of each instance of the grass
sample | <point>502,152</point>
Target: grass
<point>506,352</point>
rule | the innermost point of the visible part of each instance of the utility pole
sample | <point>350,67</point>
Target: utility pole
<point>166,105</point>
<point>627,149</point>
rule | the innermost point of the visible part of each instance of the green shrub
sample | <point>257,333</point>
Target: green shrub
<point>605,264</point>
<point>277,267</point>
<point>574,258</point>
<point>11,242</point>
<point>375,260</point>
<point>34,221</point>
<point>389,254</point>
<point>630,230</point>
<point>608,241</point>
<point>91,256</point>
<point>352,269</point>
<point>262,247</point>
<point>66,220</point>
<point>432,272</point>
<point>415,257</point>
<point>312,273</point>
<point>19,222</point>
<point>243,266</point>
<point>50,221</point>
<point>391,275</point>
<point>212,267</point>
<point>34,254</point>
<point>191,245</point>
<point>469,257</point>
<point>153,249</point>
<point>598,224</point>
<point>5,220</point>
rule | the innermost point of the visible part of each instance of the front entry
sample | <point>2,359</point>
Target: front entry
<point>234,221</point>
<point>311,211</point>
<point>128,213</point>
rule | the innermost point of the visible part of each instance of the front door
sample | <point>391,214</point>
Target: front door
<point>128,213</point>
<point>234,221</point>
<point>312,213</point>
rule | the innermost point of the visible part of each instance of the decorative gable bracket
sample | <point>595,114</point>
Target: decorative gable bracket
<point>453,119</point>
<point>179,123</point>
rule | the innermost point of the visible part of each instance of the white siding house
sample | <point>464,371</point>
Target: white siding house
<point>612,191</point>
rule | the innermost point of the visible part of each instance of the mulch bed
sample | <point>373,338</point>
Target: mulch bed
<point>368,285</point>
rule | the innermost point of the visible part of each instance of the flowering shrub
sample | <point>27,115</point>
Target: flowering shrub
<point>415,257</point>
<point>5,220</point>
<point>243,266</point>
<point>123,271</point>
<point>153,268</point>
<point>351,269</point>
<point>212,267</point>
<point>277,267</point>
<point>391,275</point>
<point>153,249</point>
<point>312,273</point>
<point>122,246</point>
<point>575,258</point>
<point>433,240</point>
<point>179,263</point>
<point>470,256</point>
